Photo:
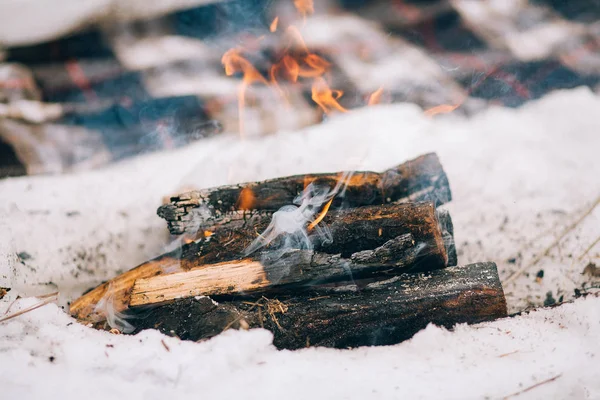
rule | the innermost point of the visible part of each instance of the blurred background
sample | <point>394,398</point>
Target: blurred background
<point>85,84</point>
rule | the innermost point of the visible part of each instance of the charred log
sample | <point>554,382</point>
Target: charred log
<point>352,231</point>
<point>421,179</point>
<point>281,270</point>
<point>378,313</point>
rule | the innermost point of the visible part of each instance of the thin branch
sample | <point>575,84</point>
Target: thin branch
<point>11,304</point>
<point>508,354</point>
<point>594,243</point>
<point>533,386</point>
<point>517,273</point>
<point>45,299</point>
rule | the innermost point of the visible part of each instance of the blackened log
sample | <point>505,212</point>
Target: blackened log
<point>379,313</point>
<point>352,231</point>
<point>421,179</point>
<point>266,272</point>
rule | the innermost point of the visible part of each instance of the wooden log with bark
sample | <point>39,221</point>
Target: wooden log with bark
<point>264,272</point>
<point>368,238</point>
<point>359,314</point>
<point>421,179</point>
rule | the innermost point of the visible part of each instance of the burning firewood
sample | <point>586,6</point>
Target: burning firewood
<point>397,237</point>
<point>366,313</point>
<point>416,180</point>
<point>289,269</point>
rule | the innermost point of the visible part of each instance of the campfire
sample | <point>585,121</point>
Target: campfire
<point>308,257</point>
<point>208,184</point>
<point>297,245</point>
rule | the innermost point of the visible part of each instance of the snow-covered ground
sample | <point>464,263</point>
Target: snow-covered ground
<point>45,356</point>
<point>519,178</point>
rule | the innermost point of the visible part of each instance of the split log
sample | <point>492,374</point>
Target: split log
<point>421,179</point>
<point>352,231</point>
<point>378,313</point>
<point>268,271</point>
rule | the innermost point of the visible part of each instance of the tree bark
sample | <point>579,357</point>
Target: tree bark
<point>421,179</point>
<point>375,313</point>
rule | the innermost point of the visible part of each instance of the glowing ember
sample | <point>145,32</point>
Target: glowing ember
<point>326,98</point>
<point>273,26</point>
<point>375,97</point>
<point>308,180</point>
<point>246,200</point>
<point>320,217</point>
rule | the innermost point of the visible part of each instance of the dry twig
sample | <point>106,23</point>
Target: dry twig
<point>45,299</point>
<point>590,247</point>
<point>517,273</point>
<point>533,386</point>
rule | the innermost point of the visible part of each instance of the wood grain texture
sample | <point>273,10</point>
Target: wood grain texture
<point>267,272</point>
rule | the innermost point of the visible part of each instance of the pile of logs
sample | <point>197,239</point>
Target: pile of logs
<point>384,270</point>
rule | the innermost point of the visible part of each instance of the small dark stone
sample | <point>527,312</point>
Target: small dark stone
<point>72,213</point>
<point>24,255</point>
<point>549,300</point>
<point>540,274</point>
<point>561,298</point>
<point>51,359</point>
<point>511,260</point>
<point>577,293</point>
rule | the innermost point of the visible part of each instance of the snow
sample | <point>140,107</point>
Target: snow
<point>518,177</point>
<point>489,360</point>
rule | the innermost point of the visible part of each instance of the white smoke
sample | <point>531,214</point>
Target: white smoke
<point>114,318</point>
<point>289,227</point>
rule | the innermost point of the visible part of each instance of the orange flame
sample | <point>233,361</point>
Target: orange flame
<point>294,64</point>
<point>441,109</point>
<point>305,7</point>
<point>247,199</point>
<point>375,97</point>
<point>321,215</point>
<point>291,66</point>
<point>234,62</point>
<point>326,98</point>
<point>318,66</point>
<point>273,26</point>
<point>287,68</point>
